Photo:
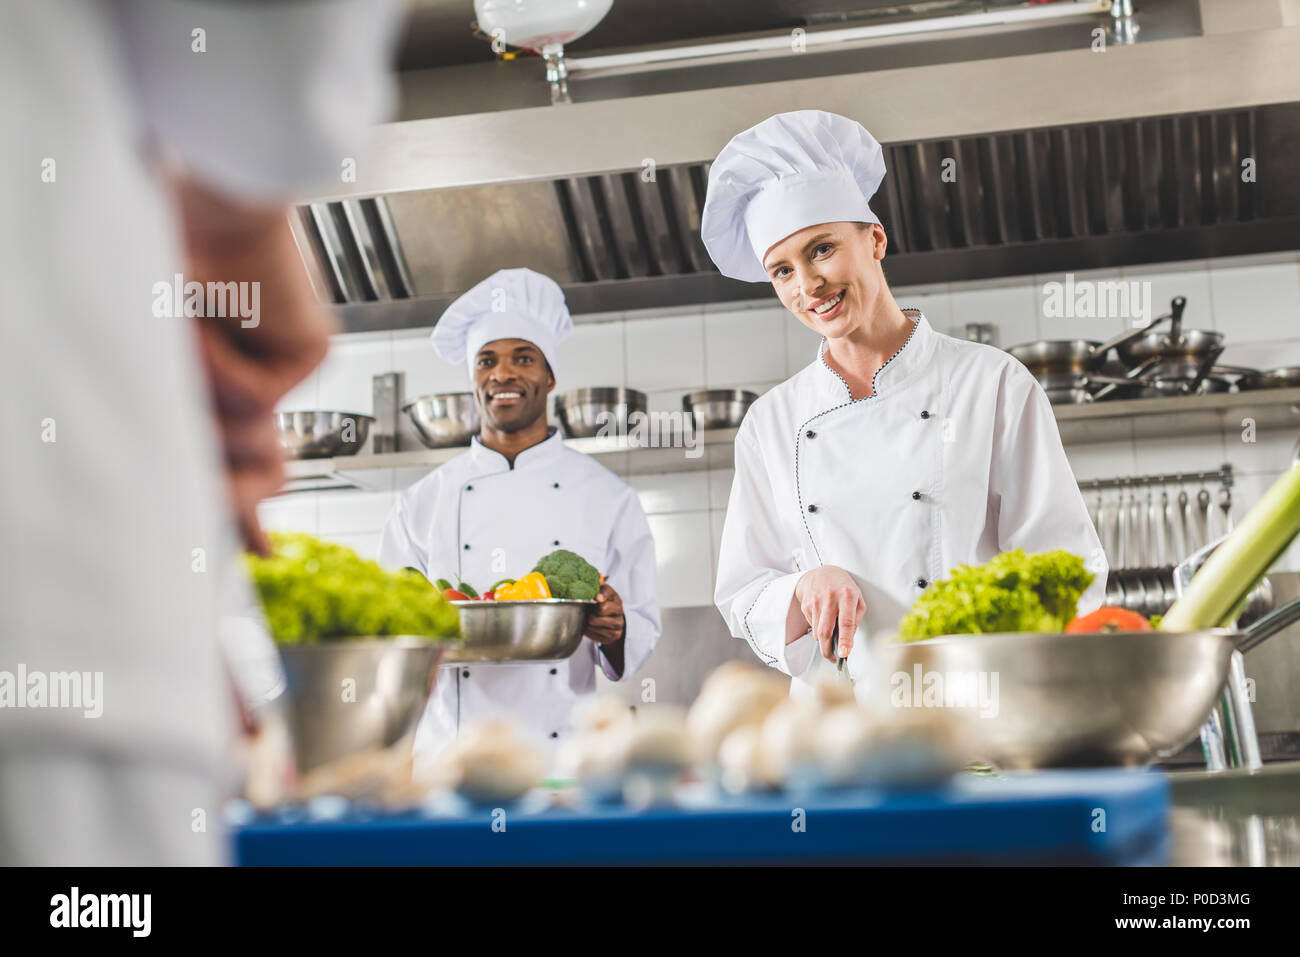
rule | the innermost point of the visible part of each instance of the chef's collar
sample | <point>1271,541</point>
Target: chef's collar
<point>906,361</point>
<point>537,454</point>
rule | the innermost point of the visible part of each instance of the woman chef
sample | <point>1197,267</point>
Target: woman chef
<point>899,452</point>
<point>520,493</point>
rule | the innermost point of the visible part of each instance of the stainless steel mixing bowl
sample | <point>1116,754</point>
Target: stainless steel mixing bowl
<point>391,680</point>
<point>444,420</point>
<point>538,630</point>
<point>320,435</point>
<point>1074,700</point>
<point>584,413</point>
<point>718,408</point>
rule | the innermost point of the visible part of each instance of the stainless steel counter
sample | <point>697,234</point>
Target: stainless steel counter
<point>1236,818</point>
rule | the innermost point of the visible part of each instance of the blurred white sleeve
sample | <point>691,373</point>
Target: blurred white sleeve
<point>261,100</point>
<point>397,546</point>
<point>757,573</point>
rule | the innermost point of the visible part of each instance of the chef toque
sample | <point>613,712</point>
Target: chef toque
<point>509,304</point>
<point>791,171</point>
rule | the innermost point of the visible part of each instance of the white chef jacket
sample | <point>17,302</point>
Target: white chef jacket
<point>955,458</point>
<point>117,543</point>
<point>478,520</point>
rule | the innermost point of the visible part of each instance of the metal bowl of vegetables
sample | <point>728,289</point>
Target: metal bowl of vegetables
<point>359,645</point>
<point>1055,700</point>
<point>1081,697</point>
<point>537,629</point>
<point>355,695</point>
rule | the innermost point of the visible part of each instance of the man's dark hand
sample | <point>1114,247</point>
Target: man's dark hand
<point>606,624</point>
<point>251,367</point>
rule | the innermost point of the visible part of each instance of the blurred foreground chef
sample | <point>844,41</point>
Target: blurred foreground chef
<point>518,494</point>
<point>899,452</point>
<point>138,437</point>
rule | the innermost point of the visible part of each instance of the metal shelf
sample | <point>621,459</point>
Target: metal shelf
<point>1177,415</point>
<point>1079,425</point>
<point>711,449</point>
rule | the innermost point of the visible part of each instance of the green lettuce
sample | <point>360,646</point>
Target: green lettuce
<point>1015,591</point>
<point>317,591</point>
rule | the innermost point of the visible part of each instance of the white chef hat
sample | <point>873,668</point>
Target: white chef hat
<point>791,171</point>
<point>509,304</point>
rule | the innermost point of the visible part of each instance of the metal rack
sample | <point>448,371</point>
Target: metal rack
<point>1149,523</point>
<point>1222,475</point>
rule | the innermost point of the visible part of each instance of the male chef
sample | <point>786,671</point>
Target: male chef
<point>520,493</point>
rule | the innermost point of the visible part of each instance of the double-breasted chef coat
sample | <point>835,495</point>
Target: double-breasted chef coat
<point>954,458</point>
<point>478,520</point>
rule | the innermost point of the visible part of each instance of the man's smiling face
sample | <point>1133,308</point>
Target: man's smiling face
<point>511,383</point>
<point>829,275</point>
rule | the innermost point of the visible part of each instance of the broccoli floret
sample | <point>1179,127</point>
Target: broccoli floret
<point>569,575</point>
<point>1013,592</point>
<point>317,591</point>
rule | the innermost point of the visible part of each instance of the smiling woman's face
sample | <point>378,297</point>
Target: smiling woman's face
<point>829,275</point>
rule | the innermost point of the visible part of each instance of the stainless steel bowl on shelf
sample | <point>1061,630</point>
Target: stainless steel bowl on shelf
<point>538,630</point>
<point>718,408</point>
<point>444,420</point>
<point>318,434</point>
<point>392,678</point>
<point>584,413</point>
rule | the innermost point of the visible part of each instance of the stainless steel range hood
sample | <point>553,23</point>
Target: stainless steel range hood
<point>1064,160</point>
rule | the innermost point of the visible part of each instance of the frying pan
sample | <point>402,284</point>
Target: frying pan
<point>1287,377</point>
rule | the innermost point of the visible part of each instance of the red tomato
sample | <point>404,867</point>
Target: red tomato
<point>1108,618</point>
<point>452,595</point>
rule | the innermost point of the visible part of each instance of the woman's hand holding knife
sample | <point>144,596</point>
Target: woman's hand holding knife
<point>824,597</point>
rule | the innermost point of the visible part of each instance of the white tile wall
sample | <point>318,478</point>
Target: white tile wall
<point>1255,301</point>
<point>745,346</point>
<point>1011,307</point>
<point>426,373</point>
<point>290,513</point>
<point>1052,325</point>
<point>934,302</point>
<point>801,345</point>
<point>677,492</point>
<point>1190,279</point>
<point>592,356</point>
<point>346,373</point>
<point>683,550</point>
<point>303,397</point>
<point>665,354</point>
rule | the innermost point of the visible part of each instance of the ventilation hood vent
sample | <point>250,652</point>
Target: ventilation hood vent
<point>1015,200</point>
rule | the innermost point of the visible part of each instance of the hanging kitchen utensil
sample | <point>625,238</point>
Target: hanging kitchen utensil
<point>1121,531</point>
<point>1225,510</point>
<point>1187,524</point>
<point>1135,587</point>
<point>1173,529</point>
<point>1172,554</point>
<point>1154,577</point>
<point>1204,504</point>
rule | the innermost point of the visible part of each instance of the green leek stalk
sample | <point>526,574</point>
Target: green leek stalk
<point>1218,591</point>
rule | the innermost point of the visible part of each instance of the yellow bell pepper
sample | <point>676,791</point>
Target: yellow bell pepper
<point>531,586</point>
